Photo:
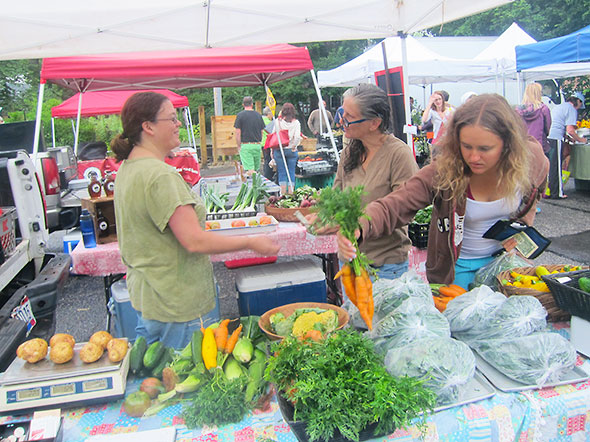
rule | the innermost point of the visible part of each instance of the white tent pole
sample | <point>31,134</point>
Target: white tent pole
<point>73,128</point>
<point>277,131</point>
<point>403,36</point>
<point>324,113</point>
<point>53,130</point>
<point>38,120</point>
<point>518,88</point>
<point>76,136</point>
<point>187,113</point>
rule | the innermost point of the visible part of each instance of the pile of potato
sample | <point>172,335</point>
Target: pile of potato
<point>61,348</point>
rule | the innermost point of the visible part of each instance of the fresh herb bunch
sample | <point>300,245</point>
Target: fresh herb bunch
<point>219,402</point>
<point>341,384</point>
<point>423,216</point>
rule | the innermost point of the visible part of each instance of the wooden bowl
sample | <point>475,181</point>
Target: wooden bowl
<point>289,309</point>
<point>286,215</point>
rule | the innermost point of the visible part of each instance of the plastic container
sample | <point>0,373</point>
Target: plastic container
<point>418,234</point>
<point>265,287</point>
<point>123,314</point>
<point>567,293</point>
<point>87,228</point>
<point>71,240</point>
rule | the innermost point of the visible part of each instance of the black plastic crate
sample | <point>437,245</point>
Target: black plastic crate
<point>567,293</point>
<point>418,234</point>
<point>299,428</point>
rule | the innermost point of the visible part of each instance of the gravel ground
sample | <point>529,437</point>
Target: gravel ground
<point>81,305</point>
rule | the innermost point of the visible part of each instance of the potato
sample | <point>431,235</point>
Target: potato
<point>117,349</point>
<point>33,350</point>
<point>61,352</point>
<point>91,352</point>
<point>101,338</point>
<point>62,337</point>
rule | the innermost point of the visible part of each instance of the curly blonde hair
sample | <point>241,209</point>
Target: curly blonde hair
<point>492,112</point>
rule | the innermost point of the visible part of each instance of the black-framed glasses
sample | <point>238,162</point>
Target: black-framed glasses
<point>347,123</point>
<point>174,120</point>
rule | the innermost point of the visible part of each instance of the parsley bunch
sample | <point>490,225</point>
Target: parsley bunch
<point>342,208</point>
<point>340,384</point>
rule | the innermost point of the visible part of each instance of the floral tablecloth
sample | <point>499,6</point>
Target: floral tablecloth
<point>548,415</point>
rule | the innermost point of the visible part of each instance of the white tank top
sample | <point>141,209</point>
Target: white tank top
<point>479,217</point>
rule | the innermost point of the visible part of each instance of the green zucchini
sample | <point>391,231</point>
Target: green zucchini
<point>196,344</point>
<point>163,362</point>
<point>136,354</point>
<point>153,354</point>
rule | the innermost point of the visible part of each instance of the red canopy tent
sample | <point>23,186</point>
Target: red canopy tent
<point>212,67</point>
<point>106,103</point>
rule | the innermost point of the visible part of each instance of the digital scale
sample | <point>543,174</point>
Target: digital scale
<point>44,384</point>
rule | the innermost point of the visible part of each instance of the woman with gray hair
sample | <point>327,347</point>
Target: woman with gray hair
<point>380,162</point>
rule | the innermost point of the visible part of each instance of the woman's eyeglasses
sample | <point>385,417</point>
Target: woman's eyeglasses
<point>174,120</point>
<point>347,123</point>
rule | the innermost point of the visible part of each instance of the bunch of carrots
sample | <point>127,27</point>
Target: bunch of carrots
<point>344,208</point>
<point>218,339</point>
<point>442,294</point>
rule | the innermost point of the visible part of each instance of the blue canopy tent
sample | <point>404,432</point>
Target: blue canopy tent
<point>571,48</point>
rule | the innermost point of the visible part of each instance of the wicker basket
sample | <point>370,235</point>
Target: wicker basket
<point>554,313</point>
<point>286,215</point>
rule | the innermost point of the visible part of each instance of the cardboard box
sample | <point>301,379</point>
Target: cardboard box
<point>105,205</point>
<point>264,287</point>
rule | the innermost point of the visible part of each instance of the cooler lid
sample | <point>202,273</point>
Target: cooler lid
<point>270,276</point>
<point>119,291</point>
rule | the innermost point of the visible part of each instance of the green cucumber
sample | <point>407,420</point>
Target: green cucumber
<point>165,360</point>
<point>136,354</point>
<point>153,354</point>
<point>584,284</point>
<point>196,344</point>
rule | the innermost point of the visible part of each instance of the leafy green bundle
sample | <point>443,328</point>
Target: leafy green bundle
<point>341,384</point>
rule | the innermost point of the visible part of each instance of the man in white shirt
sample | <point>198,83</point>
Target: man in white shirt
<point>564,119</point>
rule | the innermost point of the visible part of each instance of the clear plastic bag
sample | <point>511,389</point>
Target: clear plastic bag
<point>537,359</point>
<point>445,364</point>
<point>515,317</point>
<point>467,314</point>
<point>413,319</point>
<point>506,261</point>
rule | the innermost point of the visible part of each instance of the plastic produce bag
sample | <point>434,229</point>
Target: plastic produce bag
<point>445,364</point>
<point>388,294</point>
<point>413,319</point>
<point>506,261</point>
<point>467,314</point>
<point>537,359</point>
<point>517,316</point>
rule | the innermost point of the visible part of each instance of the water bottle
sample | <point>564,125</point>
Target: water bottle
<point>87,227</point>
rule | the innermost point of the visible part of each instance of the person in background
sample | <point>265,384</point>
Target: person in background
<point>466,96</point>
<point>161,228</point>
<point>338,117</point>
<point>446,97</point>
<point>536,115</point>
<point>267,117</point>
<point>380,162</point>
<point>437,112</point>
<point>287,121</point>
<point>248,134</point>
<point>564,118</point>
<point>316,122</point>
<point>487,169</point>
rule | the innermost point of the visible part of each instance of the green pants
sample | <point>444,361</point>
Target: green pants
<point>250,156</point>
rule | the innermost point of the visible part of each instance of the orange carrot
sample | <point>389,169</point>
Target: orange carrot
<point>458,288</point>
<point>348,279</point>
<point>221,333</point>
<point>231,342</point>
<point>363,297</point>
<point>439,304</point>
<point>449,291</point>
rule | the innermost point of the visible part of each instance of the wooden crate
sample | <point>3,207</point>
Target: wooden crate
<point>309,144</point>
<point>223,136</point>
<point>105,205</point>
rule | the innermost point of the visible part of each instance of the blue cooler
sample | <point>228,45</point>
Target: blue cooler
<point>264,287</point>
<point>124,316</point>
<point>71,240</point>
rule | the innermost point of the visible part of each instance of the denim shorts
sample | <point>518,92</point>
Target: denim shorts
<point>174,334</point>
<point>392,271</point>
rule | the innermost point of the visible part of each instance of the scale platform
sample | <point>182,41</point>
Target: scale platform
<point>24,386</point>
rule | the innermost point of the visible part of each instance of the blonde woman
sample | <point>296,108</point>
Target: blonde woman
<point>487,169</point>
<point>436,111</point>
<point>535,114</point>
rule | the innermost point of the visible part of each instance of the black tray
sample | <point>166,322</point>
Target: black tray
<point>299,428</point>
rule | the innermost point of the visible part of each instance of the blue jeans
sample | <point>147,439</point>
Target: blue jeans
<point>392,271</point>
<point>465,270</point>
<point>291,158</point>
<point>174,334</point>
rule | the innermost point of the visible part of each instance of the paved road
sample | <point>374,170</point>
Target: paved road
<point>81,305</point>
